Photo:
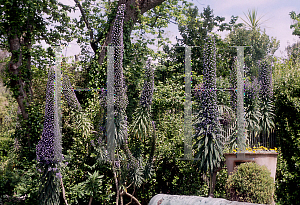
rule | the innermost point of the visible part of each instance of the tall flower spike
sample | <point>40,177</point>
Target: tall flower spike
<point>69,94</point>
<point>208,128</point>
<point>251,91</point>
<point>147,93</point>
<point>121,100</point>
<point>209,85</point>
<point>120,88</point>
<point>45,147</point>
<point>233,83</point>
<point>265,79</point>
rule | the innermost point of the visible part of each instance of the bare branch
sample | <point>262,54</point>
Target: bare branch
<point>132,197</point>
<point>63,191</point>
<point>93,44</point>
<point>134,8</point>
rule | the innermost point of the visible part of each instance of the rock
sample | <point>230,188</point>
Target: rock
<point>165,199</point>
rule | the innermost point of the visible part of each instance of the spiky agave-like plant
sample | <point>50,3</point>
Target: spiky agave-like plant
<point>208,129</point>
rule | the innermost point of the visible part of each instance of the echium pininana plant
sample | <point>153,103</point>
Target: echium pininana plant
<point>233,83</point>
<point>251,91</point>
<point>208,129</point>
<point>265,80</point>
<point>69,94</point>
<point>142,127</point>
<point>147,93</point>
<point>251,100</point>
<point>208,94</point>
<point>47,148</point>
<point>120,88</point>
<point>266,95</point>
<point>133,166</point>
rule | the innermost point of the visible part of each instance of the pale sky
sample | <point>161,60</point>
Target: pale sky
<point>275,12</point>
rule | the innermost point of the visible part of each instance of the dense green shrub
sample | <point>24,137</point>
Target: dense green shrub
<point>287,103</point>
<point>250,182</point>
<point>220,187</point>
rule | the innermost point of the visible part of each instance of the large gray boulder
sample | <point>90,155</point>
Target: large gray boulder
<point>165,199</point>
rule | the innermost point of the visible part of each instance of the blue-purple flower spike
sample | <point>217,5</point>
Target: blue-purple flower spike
<point>45,147</point>
<point>251,91</point>
<point>209,95</point>
<point>69,94</point>
<point>265,79</point>
<point>147,93</point>
<point>121,100</point>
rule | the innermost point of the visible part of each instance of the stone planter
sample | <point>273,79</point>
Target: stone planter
<point>267,158</point>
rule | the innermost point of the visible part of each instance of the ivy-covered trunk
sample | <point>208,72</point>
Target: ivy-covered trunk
<point>19,76</point>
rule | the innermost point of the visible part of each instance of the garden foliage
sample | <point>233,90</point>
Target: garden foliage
<point>252,183</point>
<point>149,110</point>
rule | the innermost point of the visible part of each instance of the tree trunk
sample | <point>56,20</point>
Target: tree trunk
<point>22,86</point>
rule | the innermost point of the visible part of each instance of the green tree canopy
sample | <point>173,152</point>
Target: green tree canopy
<point>296,25</point>
<point>262,46</point>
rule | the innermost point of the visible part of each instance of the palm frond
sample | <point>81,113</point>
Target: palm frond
<point>252,20</point>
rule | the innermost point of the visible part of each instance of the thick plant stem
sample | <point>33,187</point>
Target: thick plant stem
<point>116,181</point>
<point>211,192</point>
<point>91,199</point>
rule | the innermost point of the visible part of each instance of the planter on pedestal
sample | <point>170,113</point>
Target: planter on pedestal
<point>267,158</point>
